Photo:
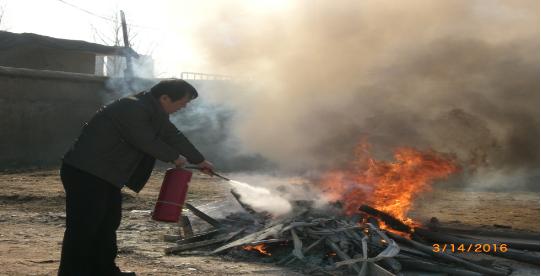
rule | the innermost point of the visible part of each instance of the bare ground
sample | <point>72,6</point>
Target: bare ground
<point>32,223</point>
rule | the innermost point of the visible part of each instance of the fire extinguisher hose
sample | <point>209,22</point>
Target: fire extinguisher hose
<point>196,168</point>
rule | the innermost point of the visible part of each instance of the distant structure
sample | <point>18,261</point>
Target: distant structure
<point>32,51</point>
<point>113,66</point>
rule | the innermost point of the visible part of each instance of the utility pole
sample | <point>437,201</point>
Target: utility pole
<point>128,72</point>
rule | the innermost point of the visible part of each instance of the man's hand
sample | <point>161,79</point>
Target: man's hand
<point>181,160</point>
<point>207,166</point>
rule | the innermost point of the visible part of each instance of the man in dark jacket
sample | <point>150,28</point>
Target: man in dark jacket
<point>118,147</point>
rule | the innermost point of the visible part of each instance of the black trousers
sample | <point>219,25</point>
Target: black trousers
<point>93,214</point>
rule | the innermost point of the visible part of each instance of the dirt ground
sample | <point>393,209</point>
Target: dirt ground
<point>32,223</point>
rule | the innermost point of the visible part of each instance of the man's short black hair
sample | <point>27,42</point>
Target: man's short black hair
<point>176,89</point>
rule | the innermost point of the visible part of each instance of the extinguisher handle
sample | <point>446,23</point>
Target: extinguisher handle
<point>180,167</point>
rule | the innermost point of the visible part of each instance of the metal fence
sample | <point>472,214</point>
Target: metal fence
<point>201,76</point>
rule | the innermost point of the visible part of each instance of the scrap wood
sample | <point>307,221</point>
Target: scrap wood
<point>234,234</point>
<point>169,238</point>
<point>517,255</point>
<point>194,245</point>
<point>286,220</point>
<point>414,236</point>
<point>292,257</point>
<point>448,239</point>
<point>495,234</point>
<point>242,204</point>
<point>268,241</point>
<point>515,244</point>
<point>391,265</point>
<point>495,247</point>
<point>272,230</point>
<point>391,250</point>
<point>356,218</point>
<point>345,257</point>
<point>388,219</point>
<point>444,256</point>
<point>520,241</point>
<point>258,236</point>
<point>426,266</point>
<point>200,237</point>
<point>376,270</point>
<point>203,216</point>
<point>330,231</point>
<point>374,221</point>
<point>359,239</point>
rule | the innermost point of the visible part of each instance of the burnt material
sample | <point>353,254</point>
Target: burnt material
<point>349,240</point>
<point>357,218</point>
<point>494,248</point>
<point>186,226</point>
<point>388,219</point>
<point>203,216</point>
<point>443,256</point>
<point>244,205</point>
<point>426,266</point>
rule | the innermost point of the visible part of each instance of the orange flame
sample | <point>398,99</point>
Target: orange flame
<point>260,248</point>
<point>388,187</point>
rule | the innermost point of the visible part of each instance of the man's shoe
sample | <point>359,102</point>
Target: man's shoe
<point>124,273</point>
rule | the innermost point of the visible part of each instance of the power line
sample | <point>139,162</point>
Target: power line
<point>100,16</point>
<point>153,28</point>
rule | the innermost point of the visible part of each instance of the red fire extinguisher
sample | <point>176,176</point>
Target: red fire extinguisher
<point>172,195</point>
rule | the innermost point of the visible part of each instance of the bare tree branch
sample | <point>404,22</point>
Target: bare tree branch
<point>3,21</point>
<point>113,36</point>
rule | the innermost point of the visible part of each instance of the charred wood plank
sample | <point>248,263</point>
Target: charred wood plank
<point>194,245</point>
<point>516,240</point>
<point>414,236</point>
<point>443,256</point>
<point>391,265</point>
<point>356,218</point>
<point>343,256</point>
<point>495,234</point>
<point>292,257</point>
<point>388,219</point>
<point>258,236</point>
<point>426,266</point>
<point>234,234</point>
<point>203,216</point>
<point>376,270</point>
<point>517,255</point>
<point>495,248</point>
<point>448,239</point>
<point>244,205</point>
<point>198,238</point>
<point>374,221</point>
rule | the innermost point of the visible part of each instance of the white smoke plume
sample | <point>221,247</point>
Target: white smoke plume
<point>457,76</point>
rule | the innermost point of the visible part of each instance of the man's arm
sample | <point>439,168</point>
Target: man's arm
<point>176,139</point>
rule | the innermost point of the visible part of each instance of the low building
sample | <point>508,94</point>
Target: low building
<point>32,51</point>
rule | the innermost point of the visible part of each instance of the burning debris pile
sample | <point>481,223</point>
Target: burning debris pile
<point>332,243</point>
<point>346,235</point>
